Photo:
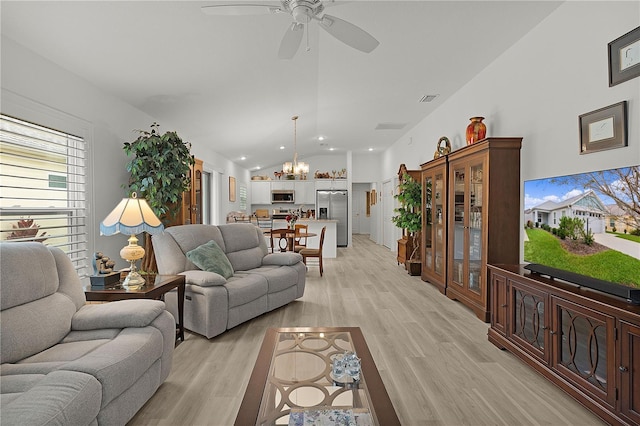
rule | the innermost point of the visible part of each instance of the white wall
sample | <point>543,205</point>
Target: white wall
<point>225,168</point>
<point>366,167</point>
<point>37,90</point>
<point>537,89</point>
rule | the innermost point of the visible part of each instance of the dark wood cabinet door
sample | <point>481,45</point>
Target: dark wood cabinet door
<point>583,343</point>
<point>434,223</point>
<point>499,302</point>
<point>528,320</point>
<point>467,253</point>
<point>629,371</point>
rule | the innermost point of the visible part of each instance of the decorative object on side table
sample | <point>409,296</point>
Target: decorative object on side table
<point>605,128</point>
<point>476,130</point>
<point>624,57</point>
<point>442,150</point>
<point>103,273</point>
<point>132,216</point>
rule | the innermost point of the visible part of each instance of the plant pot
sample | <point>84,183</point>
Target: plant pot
<point>414,267</point>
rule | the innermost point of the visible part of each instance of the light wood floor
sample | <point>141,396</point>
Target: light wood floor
<point>432,353</point>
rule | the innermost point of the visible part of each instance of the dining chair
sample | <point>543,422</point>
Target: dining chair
<point>311,252</point>
<point>300,240</point>
<point>266,225</point>
<point>282,238</point>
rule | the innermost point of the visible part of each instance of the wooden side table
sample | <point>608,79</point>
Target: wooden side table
<point>156,287</point>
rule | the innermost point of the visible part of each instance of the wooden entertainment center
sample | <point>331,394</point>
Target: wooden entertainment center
<point>583,340</point>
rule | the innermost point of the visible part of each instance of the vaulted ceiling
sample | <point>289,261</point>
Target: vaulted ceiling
<point>217,80</point>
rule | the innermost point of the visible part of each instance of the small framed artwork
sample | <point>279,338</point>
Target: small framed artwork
<point>605,128</point>
<point>232,189</point>
<point>624,57</point>
<point>368,203</point>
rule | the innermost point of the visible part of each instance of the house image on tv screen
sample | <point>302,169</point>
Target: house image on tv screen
<point>587,206</point>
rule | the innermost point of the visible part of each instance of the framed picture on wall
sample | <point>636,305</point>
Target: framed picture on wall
<point>624,57</point>
<point>232,189</point>
<point>605,128</point>
<point>368,203</point>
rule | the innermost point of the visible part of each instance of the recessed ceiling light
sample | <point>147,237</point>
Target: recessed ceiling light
<point>370,149</point>
<point>282,147</point>
<point>331,149</point>
<point>257,167</point>
<point>320,138</point>
<point>243,158</point>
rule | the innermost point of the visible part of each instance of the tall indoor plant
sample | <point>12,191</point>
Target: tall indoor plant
<point>160,173</point>
<point>409,217</point>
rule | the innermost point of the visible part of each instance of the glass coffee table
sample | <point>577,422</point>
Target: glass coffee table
<point>292,380</point>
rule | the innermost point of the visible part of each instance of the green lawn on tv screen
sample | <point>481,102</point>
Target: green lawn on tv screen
<point>610,265</point>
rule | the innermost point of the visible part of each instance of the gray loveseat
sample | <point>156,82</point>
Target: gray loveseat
<point>261,281</point>
<point>68,363</point>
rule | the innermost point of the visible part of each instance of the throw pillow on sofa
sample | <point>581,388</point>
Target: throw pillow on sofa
<point>210,257</point>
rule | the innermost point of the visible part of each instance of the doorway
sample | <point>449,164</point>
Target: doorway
<point>360,219</point>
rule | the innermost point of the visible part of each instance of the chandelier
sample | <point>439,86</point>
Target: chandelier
<point>295,168</point>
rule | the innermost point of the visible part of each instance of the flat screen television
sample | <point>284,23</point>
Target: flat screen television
<point>586,224</point>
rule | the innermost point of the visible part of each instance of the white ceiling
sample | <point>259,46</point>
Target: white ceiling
<point>217,80</point>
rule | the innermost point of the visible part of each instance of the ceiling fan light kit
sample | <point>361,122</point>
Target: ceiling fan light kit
<point>302,12</point>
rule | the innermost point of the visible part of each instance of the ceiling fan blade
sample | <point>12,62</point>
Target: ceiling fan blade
<point>241,9</point>
<point>291,41</point>
<point>349,34</point>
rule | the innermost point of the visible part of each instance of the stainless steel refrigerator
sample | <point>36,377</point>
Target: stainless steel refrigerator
<point>333,205</point>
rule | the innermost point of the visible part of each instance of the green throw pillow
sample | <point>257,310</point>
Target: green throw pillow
<point>210,257</point>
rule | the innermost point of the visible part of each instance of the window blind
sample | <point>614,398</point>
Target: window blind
<point>43,188</point>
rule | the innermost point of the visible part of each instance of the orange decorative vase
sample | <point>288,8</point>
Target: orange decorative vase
<point>476,130</point>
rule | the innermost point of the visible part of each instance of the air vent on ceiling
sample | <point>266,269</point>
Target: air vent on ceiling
<point>428,98</point>
<point>390,126</point>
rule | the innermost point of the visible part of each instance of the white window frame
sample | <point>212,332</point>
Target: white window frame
<point>73,236</point>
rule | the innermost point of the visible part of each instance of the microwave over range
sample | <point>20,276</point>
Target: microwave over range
<point>282,196</point>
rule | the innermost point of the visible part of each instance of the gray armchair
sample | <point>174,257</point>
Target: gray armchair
<point>64,362</point>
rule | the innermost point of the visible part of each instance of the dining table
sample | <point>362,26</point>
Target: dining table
<point>288,235</point>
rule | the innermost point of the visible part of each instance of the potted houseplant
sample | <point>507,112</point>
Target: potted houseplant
<point>409,218</point>
<point>160,173</point>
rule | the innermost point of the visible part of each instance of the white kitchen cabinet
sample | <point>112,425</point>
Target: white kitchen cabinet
<point>305,193</point>
<point>260,192</point>
<point>331,184</point>
<point>283,184</point>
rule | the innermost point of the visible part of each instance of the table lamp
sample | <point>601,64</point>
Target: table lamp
<point>132,216</point>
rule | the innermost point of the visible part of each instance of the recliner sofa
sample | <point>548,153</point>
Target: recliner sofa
<point>65,362</point>
<point>261,281</point>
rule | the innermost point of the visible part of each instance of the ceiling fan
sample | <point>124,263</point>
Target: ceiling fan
<point>303,12</point>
